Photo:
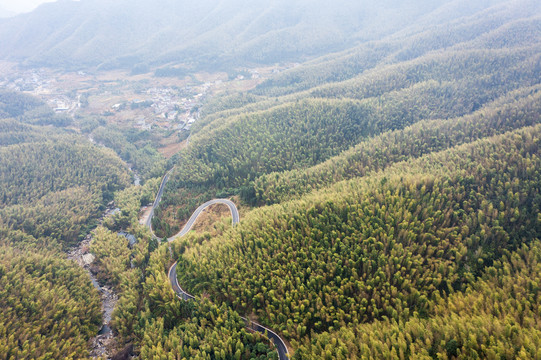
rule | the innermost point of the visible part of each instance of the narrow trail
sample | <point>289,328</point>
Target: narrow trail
<point>283,352</point>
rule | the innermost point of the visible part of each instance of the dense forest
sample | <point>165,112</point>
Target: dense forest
<point>196,329</point>
<point>53,189</point>
<point>389,193</point>
<point>396,239</point>
<point>521,108</point>
<point>54,185</point>
<point>148,314</point>
<point>496,317</point>
<point>29,109</point>
<point>134,147</point>
<point>253,144</point>
<point>389,198</point>
<point>49,308</point>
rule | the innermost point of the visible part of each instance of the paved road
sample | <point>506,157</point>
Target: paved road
<point>230,204</point>
<point>157,201</point>
<point>174,284</point>
<point>281,347</point>
<point>283,353</point>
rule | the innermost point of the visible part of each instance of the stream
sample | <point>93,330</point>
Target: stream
<point>101,343</point>
<point>136,178</point>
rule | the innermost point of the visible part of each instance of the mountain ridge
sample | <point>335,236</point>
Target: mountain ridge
<point>207,34</point>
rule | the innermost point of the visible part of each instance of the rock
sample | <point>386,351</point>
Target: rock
<point>88,259</point>
<point>104,330</point>
<point>124,354</point>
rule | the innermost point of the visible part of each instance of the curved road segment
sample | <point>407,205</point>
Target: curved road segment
<point>230,204</point>
<point>281,347</point>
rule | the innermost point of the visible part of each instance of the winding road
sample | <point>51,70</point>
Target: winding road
<point>230,204</point>
<point>283,353</point>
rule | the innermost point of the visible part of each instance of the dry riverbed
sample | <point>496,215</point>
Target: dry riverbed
<point>103,343</point>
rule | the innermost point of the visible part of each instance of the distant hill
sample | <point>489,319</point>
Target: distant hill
<point>317,123</point>
<point>206,33</point>
<point>389,195</point>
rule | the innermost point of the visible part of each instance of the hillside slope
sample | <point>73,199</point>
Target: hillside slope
<point>387,210</point>
<point>267,147</point>
<point>208,33</point>
<point>54,185</point>
<point>384,246</point>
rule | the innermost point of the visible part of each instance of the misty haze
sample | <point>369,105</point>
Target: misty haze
<point>277,179</point>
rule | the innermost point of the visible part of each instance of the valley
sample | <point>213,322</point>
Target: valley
<point>144,102</point>
<point>271,180</point>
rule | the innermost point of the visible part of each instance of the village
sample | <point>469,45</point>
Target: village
<point>166,108</point>
<point>173,106</point>
<point>141,101</point>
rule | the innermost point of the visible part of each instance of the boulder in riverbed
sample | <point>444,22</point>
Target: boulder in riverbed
<point>88,259</point>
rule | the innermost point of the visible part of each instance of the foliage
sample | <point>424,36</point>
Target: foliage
<point>130,201</point>
<point>134,147</point>
<point>172,328</point>
<point>480,31</point>
<point>211,332</point>
<point>29,171</point>
<point>404,175</point>
<point>63,216</point>
<point>514,111</point>
<point>13,104</point>
<point>261,147</point>
<point>403,181</point>
<point>112,255</point>
<point>29,110</point>
<point>49,307</point>
<point>496,317</point>
<point>54,189</point>
<point>384,246</point>
<point>53,185</point>
<point>120,265</point>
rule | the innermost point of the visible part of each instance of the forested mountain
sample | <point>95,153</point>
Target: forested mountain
<point>133,147</point>
<point>54,185</point>
<point>389,190</point>
<point>209,34</point>
<point>54,188</point>
<point>249,144</point>
<point>49,307</point>
<point>390,196</point>
<point>29,109</point>
<point>506,25</point>
<point>382,245</point>
<point>495,316</point>
<point>200,330</point>
<point>391,147</point>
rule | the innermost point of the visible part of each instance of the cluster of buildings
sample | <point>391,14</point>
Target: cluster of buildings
<point>37,83</point>
<point>27,81</point>
<point>167,108</point>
